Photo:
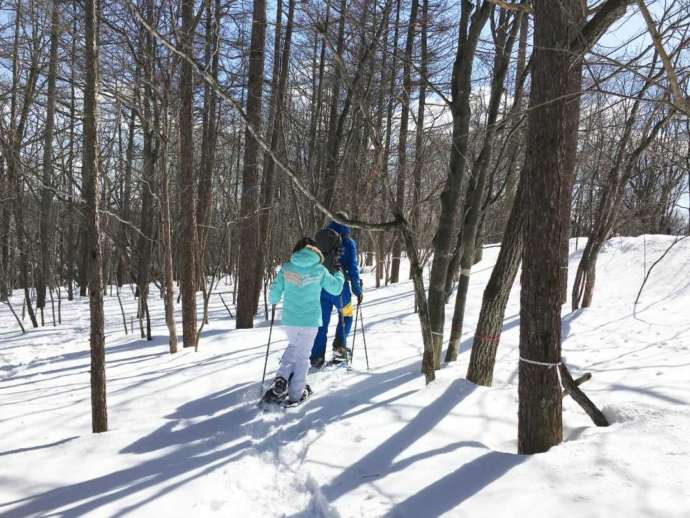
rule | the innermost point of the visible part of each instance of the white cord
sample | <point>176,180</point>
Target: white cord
<point>548,366</point>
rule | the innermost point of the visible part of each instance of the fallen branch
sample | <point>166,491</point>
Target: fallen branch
<point>9,305</point>
<point>579,381</point>
<point>571,387</point>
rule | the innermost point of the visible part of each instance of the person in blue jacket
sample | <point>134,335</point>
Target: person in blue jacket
<point>300,282</point>
<point>342,302</point>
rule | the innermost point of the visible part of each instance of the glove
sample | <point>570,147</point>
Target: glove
<point>360,297</point>
<point>332,263</point>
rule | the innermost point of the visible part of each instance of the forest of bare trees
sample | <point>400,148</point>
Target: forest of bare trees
<point>154,149</point>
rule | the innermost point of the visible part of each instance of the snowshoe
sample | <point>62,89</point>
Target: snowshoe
<point>341,354</point>
<point>277,393</point>
<point>305,395</point>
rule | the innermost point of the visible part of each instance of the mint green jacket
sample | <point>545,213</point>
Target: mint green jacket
<point>300,281</point>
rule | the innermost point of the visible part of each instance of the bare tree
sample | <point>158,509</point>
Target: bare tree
<point>91,174</point>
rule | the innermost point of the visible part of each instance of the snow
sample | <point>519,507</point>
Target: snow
<point>186,437</point>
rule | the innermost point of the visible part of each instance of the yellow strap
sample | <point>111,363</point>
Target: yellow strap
<point>347,310</point>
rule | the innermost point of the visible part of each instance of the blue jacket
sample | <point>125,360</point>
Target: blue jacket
<point>300,282</point>
<point>349,258</point>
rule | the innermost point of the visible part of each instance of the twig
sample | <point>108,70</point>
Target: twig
<point>677,240</point>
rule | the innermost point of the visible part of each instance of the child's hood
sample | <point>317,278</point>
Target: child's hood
<point>305,258</point>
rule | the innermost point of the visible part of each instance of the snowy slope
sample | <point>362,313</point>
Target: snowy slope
<point>186,436</point>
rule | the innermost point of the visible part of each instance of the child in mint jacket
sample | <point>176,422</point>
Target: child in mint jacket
<point>299,283</point>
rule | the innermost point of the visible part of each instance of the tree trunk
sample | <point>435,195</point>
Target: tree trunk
<point>328,183</point>
<point>495,299</point>
<point>46,225</point>
<point>187,186</point>
<point>278,108</point>
<point>148,182</point>
<point>402,139</point>
<point>540,406</point>
<point>71,238</point>
<point>446,232</point>
<point>476,196</point>
<point>572,121</point>
<point>166,245</point>
<point>99,412</point>
<point>210,133</point>
<point>248,285</point>
<point>419,131</point>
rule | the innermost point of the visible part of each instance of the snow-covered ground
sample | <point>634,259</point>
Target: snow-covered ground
<point>186,438</point>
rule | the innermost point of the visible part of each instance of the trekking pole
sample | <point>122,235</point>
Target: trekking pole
<point>364,337</point>
<point>354,334</point>
<point>268,346</point>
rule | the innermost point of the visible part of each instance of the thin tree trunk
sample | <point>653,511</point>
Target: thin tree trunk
<point>402,139</point>
<point>476,196</point>
<point>187,186</point>
<point>489,326</point>
<point>446,232</point>
<point>421,108</point>
<point>46,225</point>
<point>99,412</point>
<point>210,135</point>
<point>148,174</point>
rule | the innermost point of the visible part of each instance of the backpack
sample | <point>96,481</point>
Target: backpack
<point>331,245</point>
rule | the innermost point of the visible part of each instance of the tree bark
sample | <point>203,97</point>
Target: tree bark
<point>278,108</point>
<point>248,285</point>
<point>476,196</point>
<point>495,299</point>
<point>210,133</point>
<point>446,232</point>
<point>187,186</point>
<point>148,180</point>
<point>99,411</point>
<point>421,109</point>
<point>46,225</point>
<point>540,406</point>
<point>402,139</point>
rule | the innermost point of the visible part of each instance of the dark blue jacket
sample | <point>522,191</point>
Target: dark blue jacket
<point>348,260</point>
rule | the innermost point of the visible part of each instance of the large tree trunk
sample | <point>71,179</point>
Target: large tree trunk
<point>540,407</point>
<point>278,108</point>
<point>329,180</point>
<point>402,140</point>
<point>446,233</point>
<point>476,195</point>
<point>248,284</point>
<point>187,186</point>
<point>99,411</point>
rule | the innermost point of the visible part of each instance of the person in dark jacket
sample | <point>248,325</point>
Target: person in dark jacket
<point>342,302</point>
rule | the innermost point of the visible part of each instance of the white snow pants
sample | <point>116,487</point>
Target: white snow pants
<point>295,359</point>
